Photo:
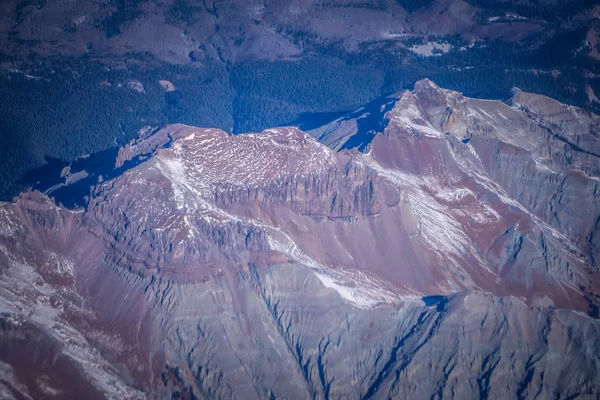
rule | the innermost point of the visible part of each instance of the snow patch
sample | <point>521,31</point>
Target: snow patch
<point>431,49</point>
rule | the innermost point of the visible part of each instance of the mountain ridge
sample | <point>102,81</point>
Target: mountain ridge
<point>453,256</point>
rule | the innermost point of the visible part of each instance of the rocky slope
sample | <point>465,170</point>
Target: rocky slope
<point>454,256</point>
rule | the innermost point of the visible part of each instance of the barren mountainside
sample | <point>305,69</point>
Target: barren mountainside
<point>435,246</point>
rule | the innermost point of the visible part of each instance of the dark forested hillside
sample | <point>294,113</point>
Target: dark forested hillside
<point>82,108</point>
<point>79,79</point>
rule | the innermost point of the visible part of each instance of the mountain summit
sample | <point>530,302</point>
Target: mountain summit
<point>448,250</point>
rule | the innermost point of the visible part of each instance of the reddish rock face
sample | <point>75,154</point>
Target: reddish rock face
<point>271,265</point>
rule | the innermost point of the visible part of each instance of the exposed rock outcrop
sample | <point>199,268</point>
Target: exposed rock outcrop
<point>454,257</point>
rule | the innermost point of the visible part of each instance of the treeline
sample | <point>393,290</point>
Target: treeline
<point>79,107</point>
<point>276,93</point>
<point>551,11</point>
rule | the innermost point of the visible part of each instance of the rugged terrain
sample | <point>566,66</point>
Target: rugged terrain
<point>435,246</point>
<point>184,31</point>
<point>112,67</point>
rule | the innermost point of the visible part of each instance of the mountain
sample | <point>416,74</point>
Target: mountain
<point>450,250</point>
<point>184,31</point>
<point>114,67</point>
